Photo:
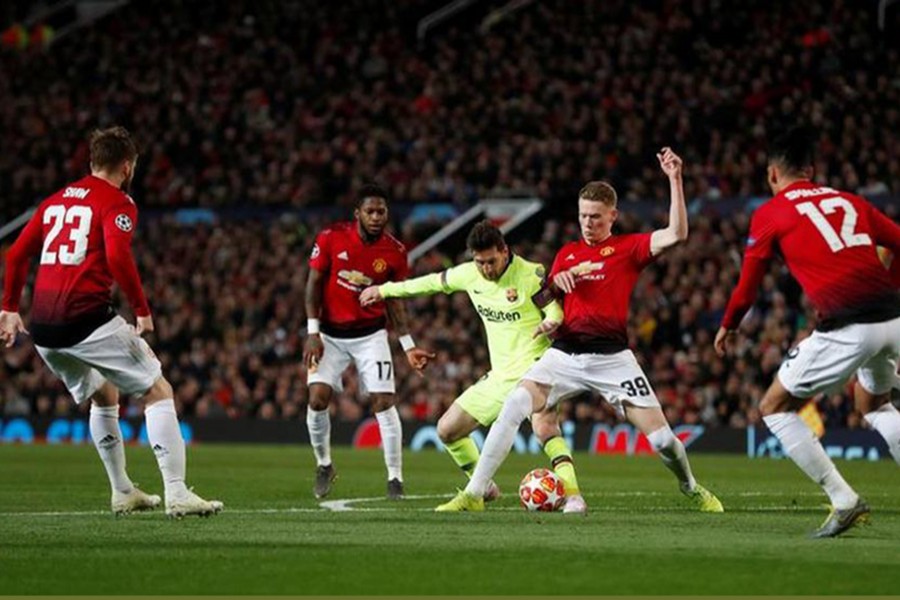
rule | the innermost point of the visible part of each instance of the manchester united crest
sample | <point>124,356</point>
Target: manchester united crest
<point>380,265</point>
<point>512,294</point>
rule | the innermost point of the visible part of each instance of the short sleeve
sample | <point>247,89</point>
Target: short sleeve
<point>320,257</point>
<point>640,249</point>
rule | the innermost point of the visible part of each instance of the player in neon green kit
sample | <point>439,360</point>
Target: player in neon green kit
<point>506,292</point>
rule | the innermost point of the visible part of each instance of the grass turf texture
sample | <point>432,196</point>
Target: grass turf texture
<point>641,536</point>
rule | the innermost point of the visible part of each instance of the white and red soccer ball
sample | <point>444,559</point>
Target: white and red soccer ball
<point>541,490</point>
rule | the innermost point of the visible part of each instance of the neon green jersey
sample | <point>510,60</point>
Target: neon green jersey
<point>505,306</point>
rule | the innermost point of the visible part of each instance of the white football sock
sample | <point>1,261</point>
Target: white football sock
<point>804,448</point>
<point>107,436</point>
<point>886,421</point>
<point>391,441</point>
<point>165,439</point>
<point>671,451</point>
<point>500,438</point>
<point>318,422</point>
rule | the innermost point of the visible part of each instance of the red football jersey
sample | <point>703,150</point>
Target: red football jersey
<point>82,234</point>
<point>596,312</point>
<point>350,265</point>
<point>828,240</point>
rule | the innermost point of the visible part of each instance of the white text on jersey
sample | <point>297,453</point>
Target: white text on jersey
<point>76,192</point>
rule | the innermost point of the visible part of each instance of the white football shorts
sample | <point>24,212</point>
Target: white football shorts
<point>826,360</point>
<point>617,377</point>
<point>371,355</point>
<point>114,352</point>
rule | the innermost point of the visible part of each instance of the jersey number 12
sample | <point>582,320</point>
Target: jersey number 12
<point>848,238</point>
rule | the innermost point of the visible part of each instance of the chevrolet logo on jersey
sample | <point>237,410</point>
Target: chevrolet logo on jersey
<point>583,268</point>
<point>589,270</point>
<point>354,277</point>
<point>607,251</point>
<point>498,316</point>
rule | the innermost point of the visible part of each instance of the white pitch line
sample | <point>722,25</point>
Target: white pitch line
<point>347,505</point>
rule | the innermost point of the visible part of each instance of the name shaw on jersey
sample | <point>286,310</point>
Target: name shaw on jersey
<point>498,316</point>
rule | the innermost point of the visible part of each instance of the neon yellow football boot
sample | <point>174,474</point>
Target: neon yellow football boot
<point>704,499</point>
<point>462,502</point>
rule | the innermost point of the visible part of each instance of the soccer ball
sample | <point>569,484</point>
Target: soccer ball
<point>541,490</point>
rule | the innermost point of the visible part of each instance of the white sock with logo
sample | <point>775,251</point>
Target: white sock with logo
<point>318,422</point>
<point>391,441</point>
<point>886,421</point>
<point>165,439</point>
<point>671,451</point>
<point>804,448</point>
<point>499,441</point>
<point>107,436</point>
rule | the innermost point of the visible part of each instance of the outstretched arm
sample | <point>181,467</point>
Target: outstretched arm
<point>677,230</point>
<point>426,285</point>
<point>741,300</point>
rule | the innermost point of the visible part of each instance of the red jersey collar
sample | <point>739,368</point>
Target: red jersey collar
<point>803,183</point>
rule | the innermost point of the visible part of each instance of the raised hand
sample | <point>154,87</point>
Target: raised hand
<point>669,162</point>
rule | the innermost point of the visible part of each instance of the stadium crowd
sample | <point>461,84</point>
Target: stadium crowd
<point>261,104</point>
<point>230,328</point>
<point>295,103</point>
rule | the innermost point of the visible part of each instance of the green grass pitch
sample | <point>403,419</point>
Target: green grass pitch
<point>640,537</point>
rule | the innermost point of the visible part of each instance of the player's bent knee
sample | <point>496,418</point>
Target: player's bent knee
<point>538,393</point>
<point>382,402</point>
<point>160,390</point>
<point>319,396</point>
<point>447,430</point>
<point>545,427</point>
<point>107,395</point>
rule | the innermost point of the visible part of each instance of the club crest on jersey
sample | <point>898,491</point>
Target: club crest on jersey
<point>124,223</point>
<point>512,294</point>
<point>607,251</point>
<point>380,265</point>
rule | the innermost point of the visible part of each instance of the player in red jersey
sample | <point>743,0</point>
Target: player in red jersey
<point>828,240</point>
<point>83,235</point>
<point>347,258</point>
<point>596,276</point>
